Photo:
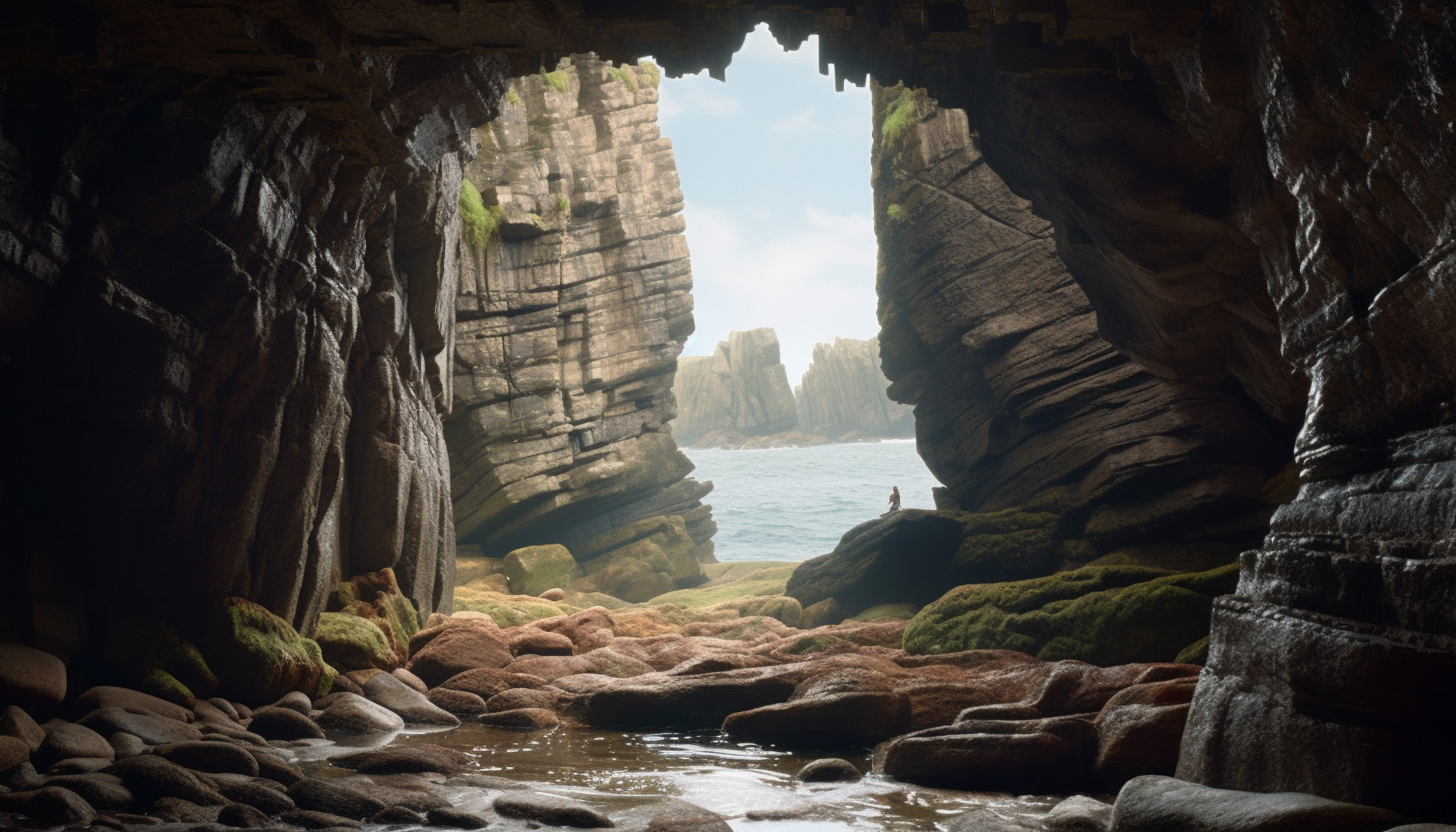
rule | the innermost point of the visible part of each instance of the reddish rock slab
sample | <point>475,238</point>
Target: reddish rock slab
<point>842,709</point>
<point>1042,756</point>
<point>456,650</point>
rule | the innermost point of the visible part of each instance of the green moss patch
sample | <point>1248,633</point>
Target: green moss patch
<point>258,657</point>
<point>557,80</point>
<point>900,113</point>
<point>481,221</point>
<point>350,642</point>
<point>1105,615</point>
<point>651,70</point>
<point>626,76</point>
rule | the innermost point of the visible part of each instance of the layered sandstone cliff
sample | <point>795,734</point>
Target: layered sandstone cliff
<point>742,388</point>
<point>843,394</point>
<point>573,304</point>
<point>1018,399</point>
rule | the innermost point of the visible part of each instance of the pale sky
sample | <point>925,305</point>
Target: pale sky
<point>775,169</point>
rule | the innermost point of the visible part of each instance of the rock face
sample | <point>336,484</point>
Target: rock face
<point>742,387</point>
<point>570,314</point>
<point>843,393</point>
<point>1016,393</point>
<point>224,243</point>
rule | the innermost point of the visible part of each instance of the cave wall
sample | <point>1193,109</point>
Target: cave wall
<point>1209,169</point>
<point>570,315</point>
<point>1018,399</point>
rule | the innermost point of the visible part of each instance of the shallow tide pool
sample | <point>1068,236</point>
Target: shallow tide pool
<point>752,786</point>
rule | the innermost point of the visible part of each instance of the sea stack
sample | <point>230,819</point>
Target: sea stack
<point>842,395</point>
<point>742,387</point>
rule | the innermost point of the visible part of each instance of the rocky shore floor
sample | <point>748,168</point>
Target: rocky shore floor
<point>985,721</point>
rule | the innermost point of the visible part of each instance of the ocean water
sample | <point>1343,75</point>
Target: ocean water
<point>795,503</point>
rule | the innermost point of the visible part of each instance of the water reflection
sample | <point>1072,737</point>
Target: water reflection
<point>751,785</point>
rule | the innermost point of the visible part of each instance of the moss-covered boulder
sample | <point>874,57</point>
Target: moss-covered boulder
<point>376,597</point>
<point>505,609</point>
<point>641,560</point>
<point>258,657</point>
<point>1105,615</point>
<point>350,642</point>
<point>1006,545</point>
<point>152,657</point>
<point>534,569</point>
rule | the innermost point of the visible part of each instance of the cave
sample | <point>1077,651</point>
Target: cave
<point>230,235</point>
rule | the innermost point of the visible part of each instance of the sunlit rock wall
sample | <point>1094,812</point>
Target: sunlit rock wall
<point>570,316</point>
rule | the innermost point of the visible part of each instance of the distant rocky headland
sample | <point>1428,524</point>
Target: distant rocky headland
<point>739,397</point>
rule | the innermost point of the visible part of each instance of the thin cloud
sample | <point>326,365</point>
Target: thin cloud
<point>798,123</point>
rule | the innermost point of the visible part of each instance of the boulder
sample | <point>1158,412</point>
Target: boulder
<point>484,682</point>
<point>456,650</point>
<point>264,795</point>
<point>54,805</point>
<point>1156,804</point>
<point>15,722</point>
<point>31,679</point>
<point>258,656</point>
<point>13,752</point>
<point>702,701</point>
<point>671,815</point>
<point>534,642</point>
<point>310,819</point>
<point>242,816</point>
<point>1105,615</point>
<point>129,700</point>
<point>404,700</point>
<point>209,757</point>
<point>151,778</point>
<point>550,810</point>
<point>842,709</point>
<point>354,714</point>
<point>901,558</point>
<point>66,740</point>
<point>1043,756</point>
<point>333,798</point>
<point>102,791</point>
<point>1140,731</point>
<point>533,570</point>
<point>274,723</point>
<point>152,730</point>
<point>1079,814</point>
<point>350,642</point>
<point>829,770</point>
<point>458,702</point>
<point>455,819</point>
<point>509,700</point>
<point>377,598</point>
<point>409,759</point>
<point>294,701</point>
<point>641,560</point>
